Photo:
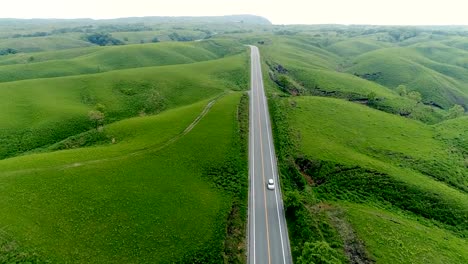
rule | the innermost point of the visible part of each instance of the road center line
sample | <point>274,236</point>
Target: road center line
<point>253,154</point>
<point>263,175</point>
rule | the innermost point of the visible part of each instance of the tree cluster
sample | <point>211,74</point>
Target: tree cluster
<point>32,35</point>
<point>176,37</point>
<point>103,39</point>
<point>7,51</point>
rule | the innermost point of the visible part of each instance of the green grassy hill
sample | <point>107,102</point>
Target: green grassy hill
<point>24,58</point>
<point>298,51</point>
<point>354,165</point>
<point>324,64</point>
<point>393,237</point>
<point>143,204</point>
<point>162,179</point>
<point>37,113</point>
<point>353,47</point>
<point>48,43</point>
<point>96,60</point>
<point>314,70</point>
<point>439,83</point>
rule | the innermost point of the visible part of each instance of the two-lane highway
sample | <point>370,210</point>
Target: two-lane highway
<point>268,233</point>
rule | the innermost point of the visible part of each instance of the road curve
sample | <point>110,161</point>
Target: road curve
<point>267,233</point>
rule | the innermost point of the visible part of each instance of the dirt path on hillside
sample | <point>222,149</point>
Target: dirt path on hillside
<point>134,153</point>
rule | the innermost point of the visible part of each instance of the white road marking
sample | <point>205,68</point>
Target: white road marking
<point>253,161</point>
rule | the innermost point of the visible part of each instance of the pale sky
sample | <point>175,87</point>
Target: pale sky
<point>381,12</point>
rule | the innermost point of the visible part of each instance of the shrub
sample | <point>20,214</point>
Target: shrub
<point>318,252</point>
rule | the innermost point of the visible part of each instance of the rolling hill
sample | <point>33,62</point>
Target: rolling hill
<point>37,113</point>
<point>170,149</point>
<point>362,170</point>
<point>438,83</point>
<point>137,153</point>
<point>96,60</point>
<point>371,171</point>
<point>120,203</point>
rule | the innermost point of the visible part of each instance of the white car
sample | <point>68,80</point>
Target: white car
<point>271,184</point>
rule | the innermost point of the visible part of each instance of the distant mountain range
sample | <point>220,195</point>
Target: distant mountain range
<point>247,19</point>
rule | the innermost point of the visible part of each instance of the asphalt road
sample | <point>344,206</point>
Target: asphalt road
<point>268,233</point>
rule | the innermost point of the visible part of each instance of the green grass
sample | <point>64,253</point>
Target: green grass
<point>297,52</point>
<point>355,46</point>
<point>23,58</point>
<point>342,151</point>
<point>394,238</point>
<point>441,83</point>
<point>103,59</point>
<point>43,43</point>
<point>306,66</point>
<point>374,139</point>
<point>142,206</point>
<point>339,83</point>
<point>37,113</point>
<point>162,35</point>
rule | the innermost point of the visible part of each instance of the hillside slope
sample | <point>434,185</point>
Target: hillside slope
<point>103,59</point>
<point>37,113</point>
<point>439,83</point>
<point>118,203</point>
<point>340,154</point>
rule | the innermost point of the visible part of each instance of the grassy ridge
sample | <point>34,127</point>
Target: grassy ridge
<point>103,59</point>
<point>353,69</point>
<point>379,135</point>
<point>355,46</point>
<point>23,58</point>
<point>298,52</point>
<point>43,43</point>
<point>300,76</point>
<point>410,241</point>
<point>37,113</point>
<point>438,82</point>
<point>139,204</point>
<point>348,152</point>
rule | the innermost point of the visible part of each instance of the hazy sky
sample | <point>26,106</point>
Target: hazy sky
<point>278,11</point>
